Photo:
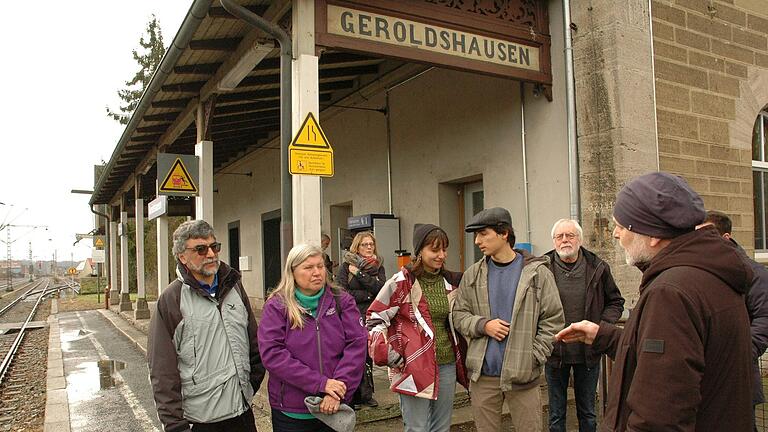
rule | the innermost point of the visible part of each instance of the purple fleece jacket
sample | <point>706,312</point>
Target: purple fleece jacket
<point>293,356</point>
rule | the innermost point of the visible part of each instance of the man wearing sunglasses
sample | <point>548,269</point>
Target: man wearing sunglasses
<point>204,362</point>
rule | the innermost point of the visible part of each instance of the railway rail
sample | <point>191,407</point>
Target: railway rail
<point>24,352</point>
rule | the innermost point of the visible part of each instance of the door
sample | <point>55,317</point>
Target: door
<point>473,203</point>
<point>270,245</point>
<point>234,244</point>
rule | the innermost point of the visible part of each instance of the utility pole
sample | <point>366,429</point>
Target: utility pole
<point>31,263</point>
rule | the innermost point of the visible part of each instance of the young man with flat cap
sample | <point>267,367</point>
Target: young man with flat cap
<point>508,307</point>
<point>682,361</point>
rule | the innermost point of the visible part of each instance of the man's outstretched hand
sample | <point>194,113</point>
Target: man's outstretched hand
<point>582,331</point>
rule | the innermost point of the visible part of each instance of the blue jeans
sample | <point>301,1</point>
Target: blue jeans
<point>584,387</point>
<point>425,415</point>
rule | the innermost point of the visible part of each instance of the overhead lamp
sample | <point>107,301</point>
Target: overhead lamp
<point>245,64</point>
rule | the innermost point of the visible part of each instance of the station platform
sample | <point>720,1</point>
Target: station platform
<point>106,380</point>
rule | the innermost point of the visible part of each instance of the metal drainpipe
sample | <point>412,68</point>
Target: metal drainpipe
<point>389,153</point>
<point>653,85</point>
<point>525,162</point>
<point>573,149</point>
<point>286,54</point>
<point>389,134</point>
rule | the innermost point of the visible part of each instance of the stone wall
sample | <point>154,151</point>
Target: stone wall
<point>711,68</point>
<point>615,117</point>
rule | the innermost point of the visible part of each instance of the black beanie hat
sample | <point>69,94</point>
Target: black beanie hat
<point>420,232</point>
<point>659,205</point>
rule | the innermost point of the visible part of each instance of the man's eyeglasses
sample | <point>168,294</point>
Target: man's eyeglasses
<point>202,250</point>
<point>367,244</point>
<point>569,236</point>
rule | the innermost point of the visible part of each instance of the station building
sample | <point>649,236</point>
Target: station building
<point>436,109</point>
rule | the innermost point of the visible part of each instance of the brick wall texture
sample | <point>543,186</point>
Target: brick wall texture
<point>703,53</point>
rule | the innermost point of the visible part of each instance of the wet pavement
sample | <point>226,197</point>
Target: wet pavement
<point>107,377</point>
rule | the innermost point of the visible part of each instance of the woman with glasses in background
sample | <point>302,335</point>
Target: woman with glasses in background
<point>362,275</point>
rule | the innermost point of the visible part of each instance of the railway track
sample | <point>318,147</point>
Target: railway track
<point>23,357</point>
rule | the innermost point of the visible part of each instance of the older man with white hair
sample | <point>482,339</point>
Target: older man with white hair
<point>587,292</point>
<point>682,361</point>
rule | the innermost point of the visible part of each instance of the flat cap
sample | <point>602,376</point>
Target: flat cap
<point>660,205</point>
<point>491,217</point>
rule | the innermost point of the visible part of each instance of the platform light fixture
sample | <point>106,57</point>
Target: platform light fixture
<point>245,64</point>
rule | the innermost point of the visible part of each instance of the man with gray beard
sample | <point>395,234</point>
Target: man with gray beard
<point>204,362</point>
<point>683,359</point>
<point>587,291</point>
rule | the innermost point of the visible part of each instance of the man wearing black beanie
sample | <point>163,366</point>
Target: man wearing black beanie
<point>682,361</point>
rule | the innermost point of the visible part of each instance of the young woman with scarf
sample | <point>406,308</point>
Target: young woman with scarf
<point>410,331</point>
<point>362,275</point>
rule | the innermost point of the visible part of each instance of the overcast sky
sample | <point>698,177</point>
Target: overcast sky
<point>63,62</point>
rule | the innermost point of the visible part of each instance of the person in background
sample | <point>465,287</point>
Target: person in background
<point>204,363</point>
<point>757,305</point>
<point>682,360</point>
<point>325,241</point>
<point>362,275</point>
<point>508,307</point>
<point>411,332</point>
<point>587,291</point>
<point>313,343</point>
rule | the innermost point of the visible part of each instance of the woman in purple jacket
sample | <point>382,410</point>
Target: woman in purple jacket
<point>312,343</point>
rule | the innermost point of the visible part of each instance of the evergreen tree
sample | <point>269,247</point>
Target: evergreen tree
<point>152,53</point>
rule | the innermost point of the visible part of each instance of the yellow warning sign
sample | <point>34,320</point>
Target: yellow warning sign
<point>178,179</point>
<point>99,242</point>
<point>310,152</point>
<point>72,271</point>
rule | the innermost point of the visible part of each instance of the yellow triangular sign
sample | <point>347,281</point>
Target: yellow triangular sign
<point>311,135</point>
<point>99,243</point>
<point>178,179</point>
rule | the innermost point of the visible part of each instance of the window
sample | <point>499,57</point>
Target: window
<point>760,178</point>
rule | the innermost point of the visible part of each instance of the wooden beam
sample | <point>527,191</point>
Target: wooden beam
<point>256,106</point>
<point>255,95</point>
<point>155,128</point>
<point>186,87</point>
<point>171,116</point>
<point>341,72</point>
<point>222,44</point>
<point>197,69</point>
<point>171,103</point>
<point>145,138</point>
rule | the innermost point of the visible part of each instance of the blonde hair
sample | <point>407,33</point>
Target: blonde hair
<point>359,237</point>
<point>286,289</point>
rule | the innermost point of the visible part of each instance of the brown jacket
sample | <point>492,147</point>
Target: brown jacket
<point>683,358</point>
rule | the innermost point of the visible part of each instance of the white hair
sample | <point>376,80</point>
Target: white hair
<point>576,225</point>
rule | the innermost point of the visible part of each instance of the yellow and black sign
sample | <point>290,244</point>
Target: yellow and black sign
<point>72,271</point>
<point>178,180</point>
<point>310,152</point>
<point>98,242</point>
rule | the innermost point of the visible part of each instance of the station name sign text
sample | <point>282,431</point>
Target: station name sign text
<point>402,32</point>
